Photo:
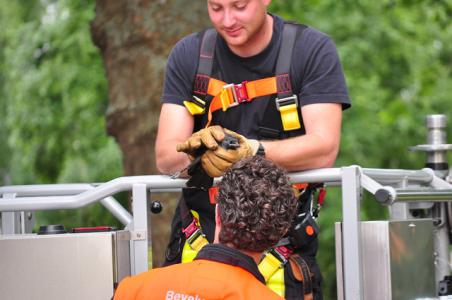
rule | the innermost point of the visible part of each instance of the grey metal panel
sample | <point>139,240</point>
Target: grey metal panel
<point>376,262</point>
<point>398,260</point>
<point>121,253</point>
<point>412,259</point>
<point>66,266</point>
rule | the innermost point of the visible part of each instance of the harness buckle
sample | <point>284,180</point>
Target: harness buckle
<point>233,94</point>
<point>191,229</point>
<point>282,253</point>
<point>283,102</point>
<point>192,233</point>
<point>288,108</point>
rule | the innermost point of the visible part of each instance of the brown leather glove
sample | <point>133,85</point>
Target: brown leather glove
<point>209,137</point>
<point>216,161</point>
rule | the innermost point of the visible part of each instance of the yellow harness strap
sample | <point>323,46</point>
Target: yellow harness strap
<point>195,241</point>
<point>269,265</point>
<point>272,268</point>
<point>288,108</point>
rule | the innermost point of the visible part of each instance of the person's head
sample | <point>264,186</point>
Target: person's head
<point>255,205</point>
<point>239,22</point>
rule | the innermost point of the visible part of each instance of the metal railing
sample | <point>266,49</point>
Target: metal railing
<point>388,185</point>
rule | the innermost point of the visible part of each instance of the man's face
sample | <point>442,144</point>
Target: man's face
<point>237,21</point>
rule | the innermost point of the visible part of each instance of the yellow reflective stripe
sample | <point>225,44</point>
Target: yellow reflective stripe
<point>188,254</point>
<point>199,243</point>
<point>191,250</point>
<point>289,117</point>
<point>276,282</point>
<point>272,270</point>
<point>196,216</point>
<point>194,108</point>
<point>269,265</point>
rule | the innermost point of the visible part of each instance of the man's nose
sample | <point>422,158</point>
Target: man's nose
<point>228,19</point>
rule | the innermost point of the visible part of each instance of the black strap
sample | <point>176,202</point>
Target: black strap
<point>271,126</point>
<point>185,214</point>
<point>303,268</point>
<point>206,54</point>
<point>283,63</point>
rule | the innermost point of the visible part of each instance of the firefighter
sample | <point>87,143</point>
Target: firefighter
<point>277,86</point>
<point>248,221</point>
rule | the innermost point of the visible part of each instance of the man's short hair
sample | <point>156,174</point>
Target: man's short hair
<point>256,204</point>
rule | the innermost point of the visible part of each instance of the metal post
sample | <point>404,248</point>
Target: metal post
<point>10,220</point>
<point>351,233</point>
<point>139,236</point>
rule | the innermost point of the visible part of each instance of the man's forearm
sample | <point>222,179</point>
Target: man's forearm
<point>169,161</point>
<point>302,152</point>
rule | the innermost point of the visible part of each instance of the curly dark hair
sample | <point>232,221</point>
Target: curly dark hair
<point>256,204</point>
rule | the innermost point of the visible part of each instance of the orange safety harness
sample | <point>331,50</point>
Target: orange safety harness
<point>226,95</point>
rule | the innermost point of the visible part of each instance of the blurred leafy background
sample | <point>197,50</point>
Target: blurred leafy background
<point>396,54</point>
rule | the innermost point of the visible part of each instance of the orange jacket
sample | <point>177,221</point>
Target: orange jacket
<point>208,277</point>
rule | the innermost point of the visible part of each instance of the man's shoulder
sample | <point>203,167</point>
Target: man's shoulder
<point>309,35</point>
<point>187,45</point>
<point>312,42</point>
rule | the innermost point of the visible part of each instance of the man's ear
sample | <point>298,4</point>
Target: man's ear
<point>217,225</point>
<point>217,216</point>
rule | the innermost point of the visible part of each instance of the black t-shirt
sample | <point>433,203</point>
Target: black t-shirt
<point>316,75</point>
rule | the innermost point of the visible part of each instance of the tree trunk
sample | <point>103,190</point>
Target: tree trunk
<point>135,38</point>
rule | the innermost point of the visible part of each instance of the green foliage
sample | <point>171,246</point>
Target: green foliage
<point>397,58</point>
<point>396,55</point>
<point>54,98</point>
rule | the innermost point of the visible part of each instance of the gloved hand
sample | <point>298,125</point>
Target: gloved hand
<point>209,137</point>
<point>216,161</point>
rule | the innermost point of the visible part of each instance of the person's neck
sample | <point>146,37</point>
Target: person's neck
<point>256,256</point>
<point>258,42</point>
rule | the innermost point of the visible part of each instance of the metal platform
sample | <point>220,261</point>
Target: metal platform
<point>390,186</point>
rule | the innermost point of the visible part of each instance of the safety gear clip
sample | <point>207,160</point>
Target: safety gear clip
<point>192,233</point>
<point>233,94</point>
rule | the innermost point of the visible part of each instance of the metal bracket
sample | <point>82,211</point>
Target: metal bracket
<point>138,235</point>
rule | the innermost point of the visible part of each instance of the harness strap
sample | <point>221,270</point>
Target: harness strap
<point>228,95</point>
<point>194,236</point>
<point>301,272</point>
<point>195,240</point>
<point>197,105</point>
<point>284,61</point>
<point>286,101</point>
<point>206,53</point>
<point>287,106</point>
<point>273,260</point>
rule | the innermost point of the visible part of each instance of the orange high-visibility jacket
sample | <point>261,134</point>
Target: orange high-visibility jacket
<point>218,272</point>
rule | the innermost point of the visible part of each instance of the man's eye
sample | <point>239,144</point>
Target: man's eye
<point>240,6</point>
<point>215,8</point>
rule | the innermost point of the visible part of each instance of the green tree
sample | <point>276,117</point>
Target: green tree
<point>396,55</point>
<point>55,95</point>
<point>398,61</point>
